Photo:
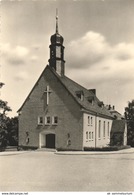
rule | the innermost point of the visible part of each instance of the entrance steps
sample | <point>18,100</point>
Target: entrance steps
<point>46,149</point>
<point>11,148</point>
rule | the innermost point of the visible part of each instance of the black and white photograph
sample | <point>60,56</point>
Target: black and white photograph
<point>66,96</point>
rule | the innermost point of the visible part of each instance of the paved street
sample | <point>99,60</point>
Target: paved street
<point>46,171</point>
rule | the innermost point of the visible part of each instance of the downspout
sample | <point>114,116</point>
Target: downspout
<point>83,126</point>
<point>95,129</point>
<point>39,140</point>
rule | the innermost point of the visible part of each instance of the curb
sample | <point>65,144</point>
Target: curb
<point>95,153</point>
<point>12,153</point>
<point>126,151</point>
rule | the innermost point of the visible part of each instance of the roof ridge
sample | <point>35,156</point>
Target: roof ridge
<point>63,80</point>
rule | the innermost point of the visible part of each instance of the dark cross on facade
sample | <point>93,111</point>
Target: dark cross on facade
<point>48,91</point>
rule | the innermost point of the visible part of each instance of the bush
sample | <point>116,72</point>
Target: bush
<point>66,149</point>
<point>2,149</point>
<point>26,148</point>
<point>108,148</point>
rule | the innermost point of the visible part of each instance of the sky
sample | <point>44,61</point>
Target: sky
<point>98,39</point>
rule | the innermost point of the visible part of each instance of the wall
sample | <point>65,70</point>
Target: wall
<point>103,141</point>
<point>62,105</point>
<point>88,130</point>
<point>92,128</point>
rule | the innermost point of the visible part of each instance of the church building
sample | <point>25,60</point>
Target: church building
<point>60,113</point>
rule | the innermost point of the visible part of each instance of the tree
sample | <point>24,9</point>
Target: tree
<point>129,116</point>
<point>12,131</point>
<point>4,108</point>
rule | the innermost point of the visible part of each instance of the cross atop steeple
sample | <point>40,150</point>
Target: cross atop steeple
<point>57,21</point>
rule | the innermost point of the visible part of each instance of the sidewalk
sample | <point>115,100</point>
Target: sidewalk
<point>8,153</point>
<point>124,151</point>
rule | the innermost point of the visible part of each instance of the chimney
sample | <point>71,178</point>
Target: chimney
<point>109,107</point>
<point>113,107</point>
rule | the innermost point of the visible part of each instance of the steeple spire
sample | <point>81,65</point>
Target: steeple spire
<point>57,21</point>
<point>56,60</point>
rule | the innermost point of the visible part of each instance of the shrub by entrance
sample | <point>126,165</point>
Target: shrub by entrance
<point>109,148</point>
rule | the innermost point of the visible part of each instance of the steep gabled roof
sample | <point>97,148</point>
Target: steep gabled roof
<point>116,114</point>
<point>32,89</point>
<point>72,87</point>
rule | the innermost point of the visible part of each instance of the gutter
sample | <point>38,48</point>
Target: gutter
<point>96,114</point>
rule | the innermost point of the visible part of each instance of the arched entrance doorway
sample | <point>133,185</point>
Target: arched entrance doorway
<point>50,141</point>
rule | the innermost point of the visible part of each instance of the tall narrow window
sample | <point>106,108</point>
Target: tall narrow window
<point>108,130</point>
<point>104,131</point>
<point>47,120</point>
<point>55,120</point>
<point>91,120</point>
<point>99,130</point>
<point>88,120</point>
<point>86,135</point>
<point>89,135</point>
<point>40,120</point>
<point>92,136</point>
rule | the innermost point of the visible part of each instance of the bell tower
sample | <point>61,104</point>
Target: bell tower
<point>56,60</point>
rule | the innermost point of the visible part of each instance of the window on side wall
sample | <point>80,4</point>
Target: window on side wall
<point>88,120</point>
<point>47,120</point>
<point>91,120</point>
<point>104,130</point>
<point>40,120</point>
<point>108,129</point>
<point>90,135</point>
<point>55,120</point>
<point>87,135</point>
